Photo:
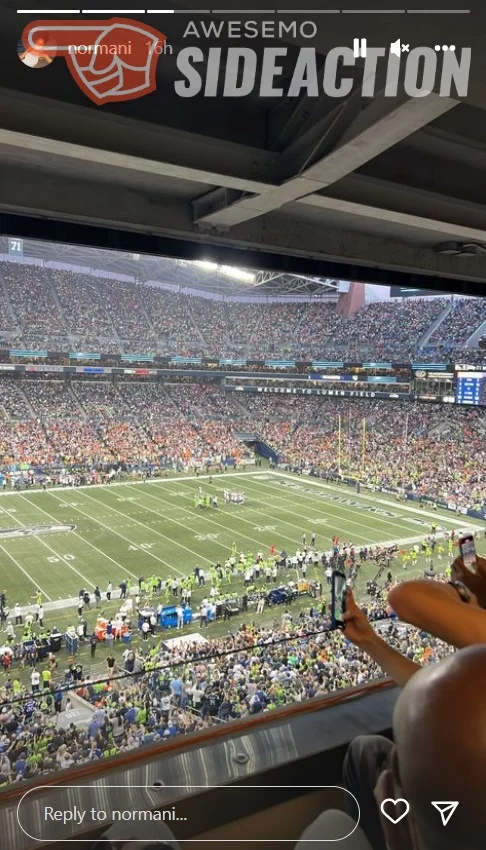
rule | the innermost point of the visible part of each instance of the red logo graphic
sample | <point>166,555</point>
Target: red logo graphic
<point>111,60</point>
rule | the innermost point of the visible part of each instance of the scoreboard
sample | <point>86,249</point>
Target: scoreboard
<point>471,388</point>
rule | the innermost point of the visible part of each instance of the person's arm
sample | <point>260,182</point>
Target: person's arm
<point>438,608</point>
<point>359,631</point>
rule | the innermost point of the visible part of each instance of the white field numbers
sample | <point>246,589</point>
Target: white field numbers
<point>53,559</point>
<point>203,537</point>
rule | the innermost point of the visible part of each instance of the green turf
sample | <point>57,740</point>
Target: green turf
<point>154,528</point>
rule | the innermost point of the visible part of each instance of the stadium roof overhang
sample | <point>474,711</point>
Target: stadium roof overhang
<point>368,189</point>
<point>182,274</point>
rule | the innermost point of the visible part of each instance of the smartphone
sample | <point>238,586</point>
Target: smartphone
<point>467,548</point>
<point>338,602</point>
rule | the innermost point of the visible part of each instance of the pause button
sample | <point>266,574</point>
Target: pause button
<point>359,48</point>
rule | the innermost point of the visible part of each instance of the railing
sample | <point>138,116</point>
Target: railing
<point>135,758</point>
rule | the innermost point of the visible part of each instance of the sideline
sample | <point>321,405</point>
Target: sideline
<point>403,541</point>
<point>73,600</point>
<point>370,495</point>
<point>74,489</point>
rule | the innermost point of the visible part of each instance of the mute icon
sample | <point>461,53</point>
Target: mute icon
<point>395,47</point>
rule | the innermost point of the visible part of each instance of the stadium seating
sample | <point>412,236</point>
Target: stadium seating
<point>466,316</point>
<point>52,422</point>
<point>188,694</point>
<point>61,310</point>
<point>428,449</point>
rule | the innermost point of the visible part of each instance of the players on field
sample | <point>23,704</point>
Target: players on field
<point>234,497</point>
<point>205,500</point>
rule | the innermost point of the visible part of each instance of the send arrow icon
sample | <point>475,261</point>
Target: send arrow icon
<point>446,809</point>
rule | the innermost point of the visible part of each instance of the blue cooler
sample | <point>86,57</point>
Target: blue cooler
<point>168,617</point>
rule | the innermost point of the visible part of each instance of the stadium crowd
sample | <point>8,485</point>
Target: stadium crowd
<point>186,689</point>
<point>57,309</point>
<point>433,450</point>
<point>466,315</point>
<point>382,330</point>
<point>152,694</point>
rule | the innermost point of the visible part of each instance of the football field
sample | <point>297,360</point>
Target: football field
<point>61,540</point>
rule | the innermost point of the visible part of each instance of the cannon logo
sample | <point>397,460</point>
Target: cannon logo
<point>111,61</point>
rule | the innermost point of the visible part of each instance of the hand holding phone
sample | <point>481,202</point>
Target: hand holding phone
<point>357,627</point>
<point>475,582</point>
<point>467,548</point>
<point>338,601</point>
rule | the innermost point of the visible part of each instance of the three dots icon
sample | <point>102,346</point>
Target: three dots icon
<point>444,47</point>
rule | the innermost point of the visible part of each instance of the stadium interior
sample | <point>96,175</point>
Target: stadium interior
<point>235,366</point>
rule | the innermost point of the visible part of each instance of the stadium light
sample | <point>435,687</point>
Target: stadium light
<point>227,271</point>
<point>207,266</point>
<point>238,274</point>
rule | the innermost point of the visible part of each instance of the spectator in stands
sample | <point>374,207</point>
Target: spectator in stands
<point>435,757</point>
<point>64,310</point>
<point>265,668</point>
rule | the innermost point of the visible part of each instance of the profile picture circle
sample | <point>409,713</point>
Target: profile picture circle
<point>36,50</point>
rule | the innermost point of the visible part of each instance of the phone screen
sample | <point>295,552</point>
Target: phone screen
<point>338,599</point>
<point>468,552</point>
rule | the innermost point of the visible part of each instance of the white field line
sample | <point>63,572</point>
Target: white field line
<point>127,539</point>
<point>325,511</point>
<point>261,514</point>
<point>213,521</point>
<point>315,506</point>
<point>38,537</point>
<point>371,496</point>
<point>151,530</point>
<point>123,569</point>
<point>20,567</point>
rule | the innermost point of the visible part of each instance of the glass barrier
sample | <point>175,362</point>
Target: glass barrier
<point>184,687</point>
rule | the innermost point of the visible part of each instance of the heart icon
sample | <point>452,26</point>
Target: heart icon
<point>394,803</point>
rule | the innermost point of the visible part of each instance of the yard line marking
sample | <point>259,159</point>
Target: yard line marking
<point>345,508</point>
<point>35,583</point>
<point>348,509</point>
<point>248,521</point>
<point>308,520</point>
<point>153,531</point>
<point>87,542</point>
<point>46,545</point>
<point>215,522</point>
<point>327,513</point>
<point>127,539</point>
<point>377,498</point>
<point>326,509</point>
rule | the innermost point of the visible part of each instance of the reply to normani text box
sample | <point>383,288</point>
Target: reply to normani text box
<point>66,812</point>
